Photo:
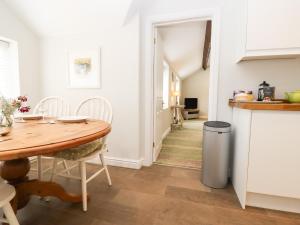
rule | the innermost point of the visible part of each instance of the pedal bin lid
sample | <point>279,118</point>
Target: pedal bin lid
<point>217,126</point>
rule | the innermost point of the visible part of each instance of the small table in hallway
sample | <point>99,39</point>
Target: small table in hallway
<point>177,118</point>
<point>32,139</point>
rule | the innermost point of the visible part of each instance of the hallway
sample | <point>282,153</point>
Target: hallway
<point>183,147</point>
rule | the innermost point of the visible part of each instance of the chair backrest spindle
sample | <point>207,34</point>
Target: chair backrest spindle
<point>96,108</point>
<point>53,106</point>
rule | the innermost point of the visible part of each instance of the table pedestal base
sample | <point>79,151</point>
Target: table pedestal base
<point>15,172</point>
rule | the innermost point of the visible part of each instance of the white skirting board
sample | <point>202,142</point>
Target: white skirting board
<point>120,162</point>
<point>112,161</point>
<point>273,202</point>
<point>157,150</point>
<point>165,134</point>
<point>159,145</point>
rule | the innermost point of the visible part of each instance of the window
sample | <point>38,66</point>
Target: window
<point>166,76</point>
<point>9,77</point>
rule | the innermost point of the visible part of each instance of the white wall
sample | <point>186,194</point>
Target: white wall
<point>120,79</point>
<point>197,86</point>
<point>28,48</point>
<point>284,74</point>
<point>122,54</point>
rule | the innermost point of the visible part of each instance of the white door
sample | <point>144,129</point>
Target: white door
<point>158,69</point>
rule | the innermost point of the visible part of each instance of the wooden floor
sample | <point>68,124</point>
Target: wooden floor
<point>151,196</point>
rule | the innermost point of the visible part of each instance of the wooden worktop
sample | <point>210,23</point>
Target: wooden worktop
<point>266,106</point>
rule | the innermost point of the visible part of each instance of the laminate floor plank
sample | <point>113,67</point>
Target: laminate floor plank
<point>156,195</point>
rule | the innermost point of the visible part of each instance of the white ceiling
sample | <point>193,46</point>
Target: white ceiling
<point>63,17</point>
<point>183,46</point>
<point>183,43</point>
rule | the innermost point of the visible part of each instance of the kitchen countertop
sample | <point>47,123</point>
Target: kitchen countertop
<point>265,106</point>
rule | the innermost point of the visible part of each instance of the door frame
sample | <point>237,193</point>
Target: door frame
<point>152,23</point>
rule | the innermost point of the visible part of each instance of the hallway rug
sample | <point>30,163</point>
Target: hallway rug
<point>182,148</point>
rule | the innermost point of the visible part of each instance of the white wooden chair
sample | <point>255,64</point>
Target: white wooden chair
<point>53,106</point>
<point>95,108</point>
<point>7,193</point>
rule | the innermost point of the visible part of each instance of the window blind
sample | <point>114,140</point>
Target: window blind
<point>8,79</point>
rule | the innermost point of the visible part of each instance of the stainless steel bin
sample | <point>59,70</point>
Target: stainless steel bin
<point>215,153</point>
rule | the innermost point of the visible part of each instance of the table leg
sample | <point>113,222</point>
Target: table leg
<point>180,117</point>
<point>15,172</point>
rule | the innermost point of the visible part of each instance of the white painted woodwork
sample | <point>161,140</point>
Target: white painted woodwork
<point>157,148</point>
<point>120,162</point>
<point>273,202</point>
<point>266,159</point>
<point>272,24</point>
<point>241,130</point>
<point>269,29</point>
<point>95,108</point>
<point>53,106</point>
<point>199,12</point>
<point>274,154</point>
<point>82,166</point>
<point>158,93</point>
<point>7,193</point>
<point>162,116</point>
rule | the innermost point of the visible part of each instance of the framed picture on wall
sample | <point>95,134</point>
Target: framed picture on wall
<point>84,68</point>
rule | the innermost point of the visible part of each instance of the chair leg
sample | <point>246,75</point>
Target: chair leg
<point>66,167</point>
<point>105,168</point>
<point>39,167</point>
<point>83,185</point>
<point>10,215</point>
<point>54,165</point>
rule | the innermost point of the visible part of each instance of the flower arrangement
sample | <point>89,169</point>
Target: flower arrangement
<point>23,108</point>
<point>9,106</point>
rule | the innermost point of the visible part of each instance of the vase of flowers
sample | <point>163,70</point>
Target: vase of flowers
<point>8,107</point>
<point>23,106</point>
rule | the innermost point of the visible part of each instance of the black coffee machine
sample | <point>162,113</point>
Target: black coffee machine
<point>265,92</point>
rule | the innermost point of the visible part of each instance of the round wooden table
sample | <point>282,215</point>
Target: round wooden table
<point>32,139</point>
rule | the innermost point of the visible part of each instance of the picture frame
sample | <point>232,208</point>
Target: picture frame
<point>84,68</point>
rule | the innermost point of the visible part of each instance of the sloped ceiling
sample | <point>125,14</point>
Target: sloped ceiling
<point>183,46</point>
<point>63,17</point>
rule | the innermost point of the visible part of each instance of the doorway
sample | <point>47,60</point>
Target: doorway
<point>151,144</point>
<point>181,91</point>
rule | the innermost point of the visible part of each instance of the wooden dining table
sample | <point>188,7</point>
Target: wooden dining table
<point>33,138</point>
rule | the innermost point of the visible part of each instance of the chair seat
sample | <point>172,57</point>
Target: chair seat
<point>7,192</point>
<point>79,152</point>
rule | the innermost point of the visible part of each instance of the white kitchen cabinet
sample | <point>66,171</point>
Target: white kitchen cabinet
<point>274,156</point>
<point>269,29</point>
<point>241,129</point>
<point>266,158</point>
